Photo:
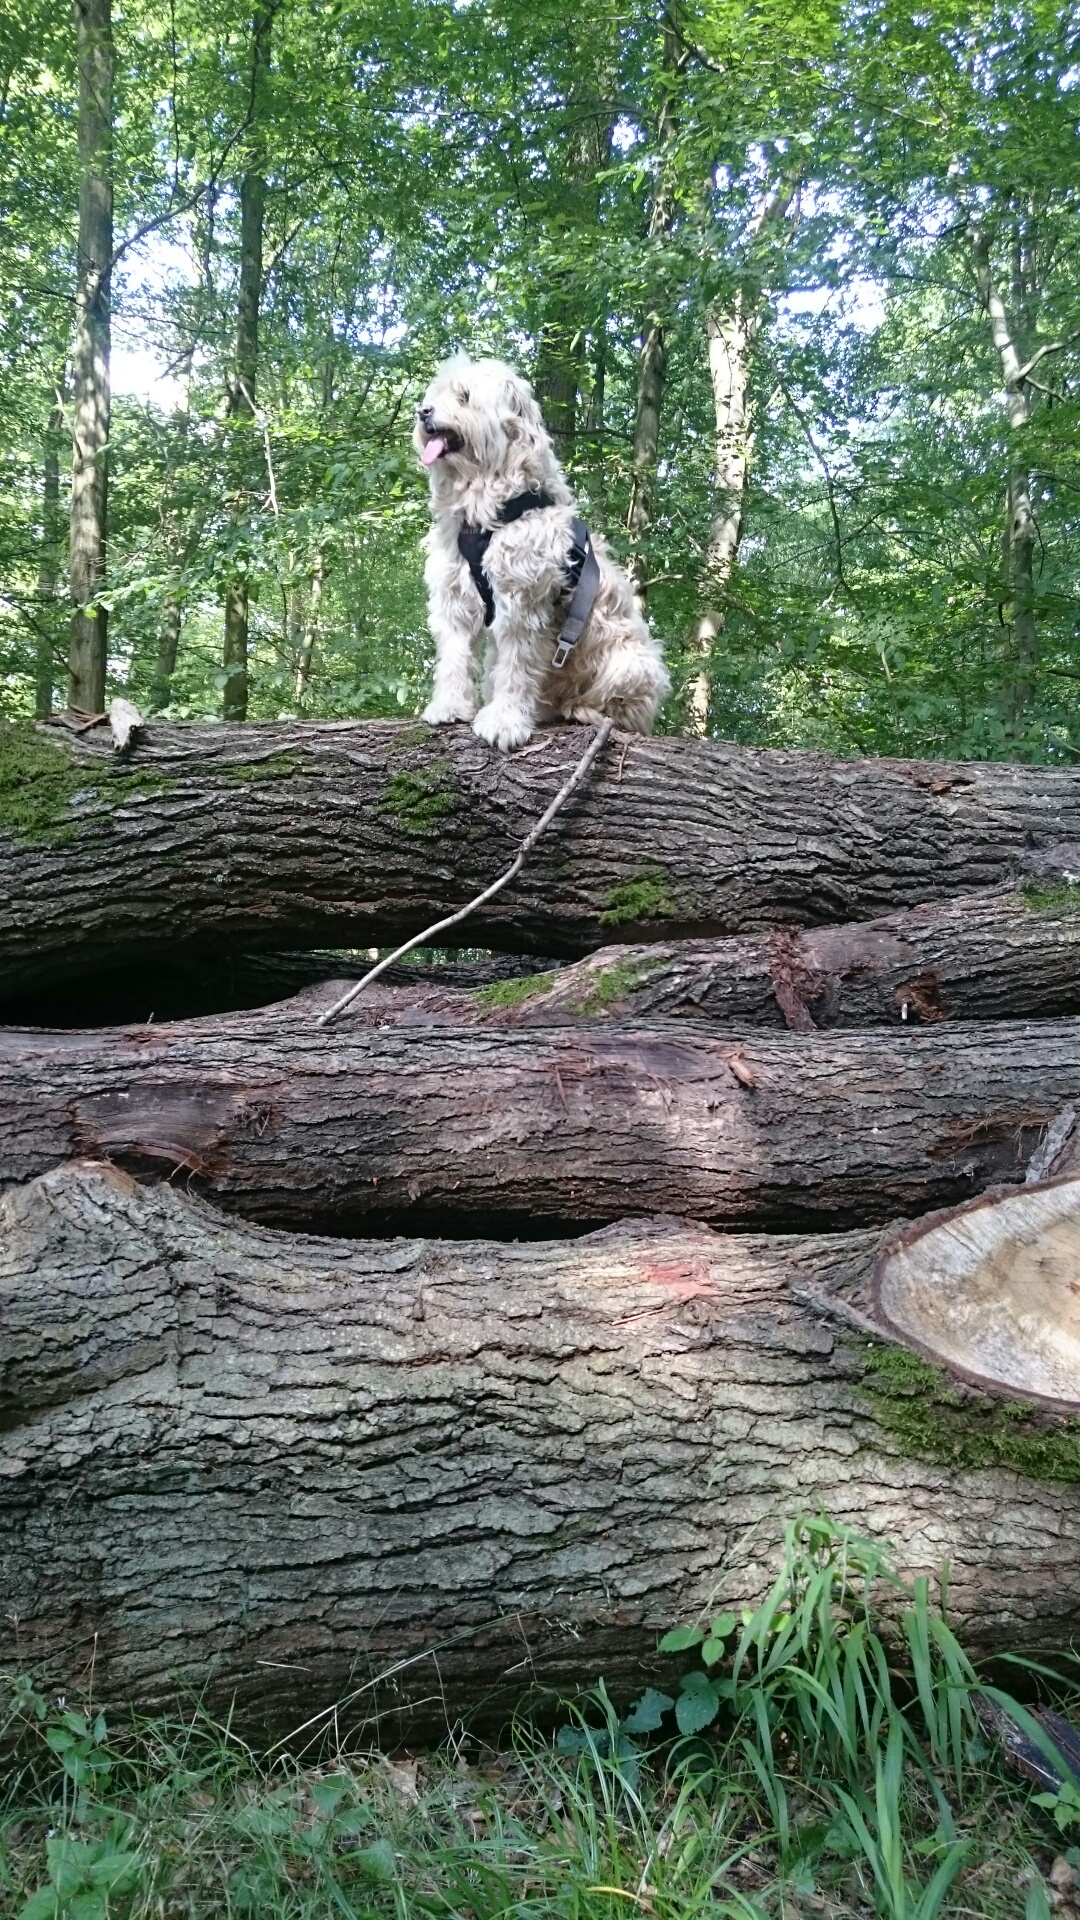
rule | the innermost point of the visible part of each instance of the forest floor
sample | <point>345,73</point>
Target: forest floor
<point>834,1779</point>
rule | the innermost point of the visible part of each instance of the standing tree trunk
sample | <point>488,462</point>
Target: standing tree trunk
<point>90,425</point>
<point>310,626</point>
<point>1020,533</point>
<point>168,648</point>
<point>45,648</point>
<point>731,338</point>
<point>651,367</point>
<point>241,403</point>
<point>585,150</point>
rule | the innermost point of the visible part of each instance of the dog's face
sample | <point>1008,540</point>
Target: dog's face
<point>474,415</point>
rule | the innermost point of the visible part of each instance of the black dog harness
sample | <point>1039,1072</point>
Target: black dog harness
<point>582,573</point>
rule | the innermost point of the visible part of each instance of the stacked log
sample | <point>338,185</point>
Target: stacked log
<point>423,1472</point>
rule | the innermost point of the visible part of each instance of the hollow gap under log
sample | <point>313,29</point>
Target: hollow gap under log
<point>193,987</point>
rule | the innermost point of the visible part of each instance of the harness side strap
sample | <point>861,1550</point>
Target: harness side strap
<point>584,595</point>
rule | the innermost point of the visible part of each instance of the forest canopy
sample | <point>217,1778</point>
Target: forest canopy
<point>798,285</point>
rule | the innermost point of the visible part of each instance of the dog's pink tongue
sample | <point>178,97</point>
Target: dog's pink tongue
<point>433,451</point>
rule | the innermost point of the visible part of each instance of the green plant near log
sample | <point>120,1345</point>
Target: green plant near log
<point>842,1772</point>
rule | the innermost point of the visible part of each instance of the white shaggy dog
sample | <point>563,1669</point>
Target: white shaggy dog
<point>480,434</point>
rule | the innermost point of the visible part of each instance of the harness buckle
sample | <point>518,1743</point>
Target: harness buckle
<point>562,654</point>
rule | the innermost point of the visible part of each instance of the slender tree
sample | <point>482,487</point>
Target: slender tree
<point>653,357</point>
<point>241,400</point>
<point>91,358</point>
<point>1019,535</point>
<point>731,334</point>
<point>48,569</point>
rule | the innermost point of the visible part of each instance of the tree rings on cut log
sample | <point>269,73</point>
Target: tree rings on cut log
<point>992,1291</point>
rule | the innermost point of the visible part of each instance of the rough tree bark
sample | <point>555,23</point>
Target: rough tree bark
<point>310,625</point>
<point>241,402</point>
<point>417,1477</point>
<point>1002,955</point>
<point>91,357</point>
<point>347,834</point>
<point>996,956</point>
<point>1007,954</point>
<point>541,1128</point>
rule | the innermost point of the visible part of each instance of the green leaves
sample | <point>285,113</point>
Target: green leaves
<point>699,1702</point>
<point>647,1714</point>
<point>86,1877</point>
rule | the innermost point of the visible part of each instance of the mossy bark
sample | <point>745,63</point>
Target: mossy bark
<point>353,834</point>
<point>273,1472</point>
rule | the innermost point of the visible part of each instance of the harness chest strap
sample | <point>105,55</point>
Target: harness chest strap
<point>582,573</point>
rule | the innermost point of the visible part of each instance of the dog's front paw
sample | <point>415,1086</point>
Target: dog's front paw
<point>442,710</point>
<point>502,727</point>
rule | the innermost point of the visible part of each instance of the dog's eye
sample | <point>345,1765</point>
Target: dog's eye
<point>463,395</point>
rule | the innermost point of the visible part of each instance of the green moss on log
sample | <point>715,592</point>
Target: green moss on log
<point>278,766</point>
<point>1056,897</point>
<point>511,993</point>
<point>611,984</point>
<point>932,1416</point>
<point>419,802</point>
<point>46,793</point>
<point>644,898</point>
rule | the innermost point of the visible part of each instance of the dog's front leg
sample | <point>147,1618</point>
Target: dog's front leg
<point>515,682</point>
<point>454,616</point>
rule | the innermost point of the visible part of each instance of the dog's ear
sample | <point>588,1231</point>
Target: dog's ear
<point>519,408</point>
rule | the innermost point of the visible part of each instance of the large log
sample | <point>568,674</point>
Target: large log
<point>347,834</point>
<point>1004,954</point>
<point>999,955</point>
<point>491,1127</point>
<point>238,1464</point>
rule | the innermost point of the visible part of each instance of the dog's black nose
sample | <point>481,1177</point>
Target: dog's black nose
<point>427,416</point>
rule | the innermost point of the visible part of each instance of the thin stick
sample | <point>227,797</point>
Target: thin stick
<point>418,940</point>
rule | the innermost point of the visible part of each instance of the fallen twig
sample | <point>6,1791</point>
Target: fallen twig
<point>580,772</point>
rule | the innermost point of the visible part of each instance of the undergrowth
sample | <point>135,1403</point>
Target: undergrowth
<point>804,1763</point>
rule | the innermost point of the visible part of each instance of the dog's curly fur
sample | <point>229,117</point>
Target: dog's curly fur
<point>481,436</point>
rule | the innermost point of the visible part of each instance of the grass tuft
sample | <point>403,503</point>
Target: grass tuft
<point>821,1754</point>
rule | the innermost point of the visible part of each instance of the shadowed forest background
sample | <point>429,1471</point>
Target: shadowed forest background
<point>798,284</point>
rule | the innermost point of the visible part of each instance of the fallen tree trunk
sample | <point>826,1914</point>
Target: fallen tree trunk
<point>1008,953</point>
<point>1003,955</point>
<point>999,955</point>
<point>526,1129</point>
<point>420,1477</point>
<point>346,834</point>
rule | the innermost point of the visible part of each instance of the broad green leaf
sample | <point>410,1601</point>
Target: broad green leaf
<point>680,1639</point>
